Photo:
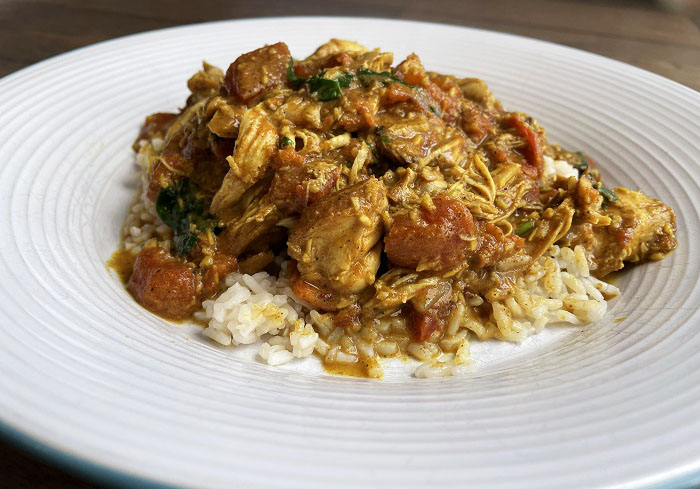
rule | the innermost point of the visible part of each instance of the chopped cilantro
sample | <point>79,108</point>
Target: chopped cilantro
<point>525,227</point>
<point>294,81</point>
<point>582,165</point>
<point>608,194</point>
<point>384,76</point>
<point>324,88</point>
<point>182,209</point>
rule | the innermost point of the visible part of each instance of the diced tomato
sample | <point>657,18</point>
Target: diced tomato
<point>533,149</point>
<point>163,285</point>
<point>324,300</point>
<point>295,187</point>
<point>338,59</point>
<point>475,123</point>
<point>495,246</point>
<point>434,319</point>
<point>257,71</point>
<point>437,240</point>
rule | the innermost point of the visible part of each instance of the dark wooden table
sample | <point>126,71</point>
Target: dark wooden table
<point>637,32</point>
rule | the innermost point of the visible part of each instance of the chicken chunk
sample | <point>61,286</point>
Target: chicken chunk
<point>641,229</point>
<point>205,82</point>
<point>477,91</point>
<point>259,218</point>
<point>336,242</point>
<point>412,71</point>
<point>254,150</point>
<point>300,112</point>
<point>335,46</point>
<point>653,233</point>
<point>226,117</point>
<point>255,146</point>
<point>409,140</point>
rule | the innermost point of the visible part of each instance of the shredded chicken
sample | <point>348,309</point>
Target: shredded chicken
<point>396,192</point>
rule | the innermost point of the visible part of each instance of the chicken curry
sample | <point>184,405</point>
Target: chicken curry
<point>393,192</point>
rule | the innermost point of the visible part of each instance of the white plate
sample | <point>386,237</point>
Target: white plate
<point>90,375</point>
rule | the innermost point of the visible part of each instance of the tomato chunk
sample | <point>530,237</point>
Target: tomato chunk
<point>533,149</point>
<point>257,71</point>
<point>163,284</point>
<point>438,240</point>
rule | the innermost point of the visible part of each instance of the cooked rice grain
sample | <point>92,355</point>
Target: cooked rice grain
<point>558,288</point>
<point>256,307</point>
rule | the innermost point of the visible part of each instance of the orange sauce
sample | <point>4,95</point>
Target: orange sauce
<point>122,262</point>
<point>358,369</point>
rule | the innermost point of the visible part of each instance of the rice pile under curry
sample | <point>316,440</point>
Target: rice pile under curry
<point>342,206</point>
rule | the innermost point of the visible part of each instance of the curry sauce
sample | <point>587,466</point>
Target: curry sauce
<point>411,209</point>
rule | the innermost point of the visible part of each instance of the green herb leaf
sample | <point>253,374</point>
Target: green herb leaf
<point>167,204</point>
<point>325,89</point>
<point>181,208</point>
<point>608,194</point>
<point>287,142</point>
<point>184,242</point>
<point>385,76</point>
<point>345,79</point>
<point>582,164</point>
<point>524,227</point>
<point>295,81</point>
<point>434,110</point>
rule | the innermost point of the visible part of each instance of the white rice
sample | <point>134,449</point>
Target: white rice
<point>558,288</point>
<point>561,168</point>
<point>256,307</point>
